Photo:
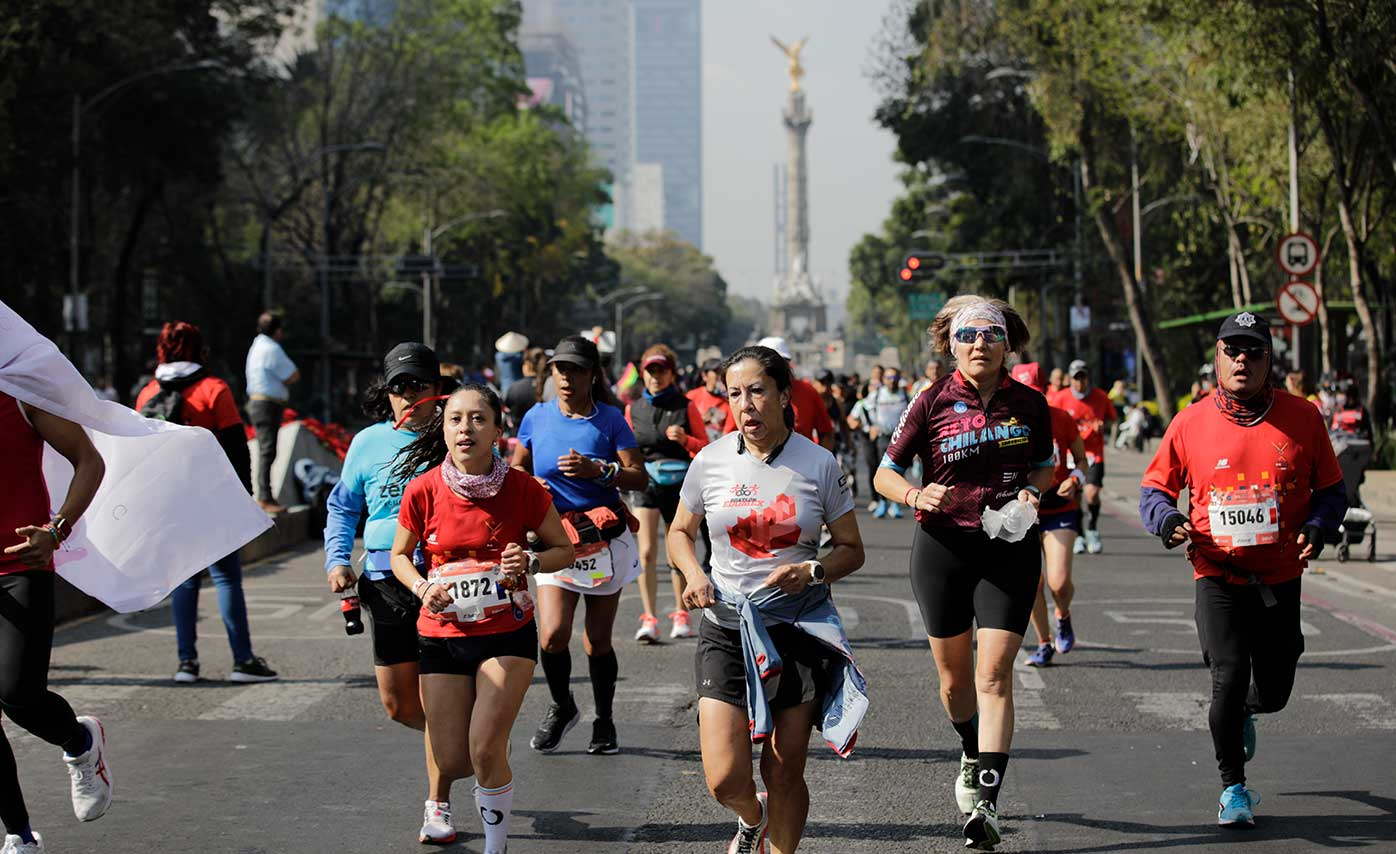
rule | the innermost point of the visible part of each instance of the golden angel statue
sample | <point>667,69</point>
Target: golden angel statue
<point>792,52</point>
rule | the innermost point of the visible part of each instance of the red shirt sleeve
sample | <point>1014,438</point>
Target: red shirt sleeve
<point>697,430</point>
<point>412,514</point>
<point>910,435</point>
<point>1326,470</point>
<point>1166,470</point>
<point>146,394</point>
<point>223,409</point>
<point>729,424</point>
<point>823,424</point>
<point>536,501</point>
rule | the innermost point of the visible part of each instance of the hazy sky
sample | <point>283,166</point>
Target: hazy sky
<point>852,179</point>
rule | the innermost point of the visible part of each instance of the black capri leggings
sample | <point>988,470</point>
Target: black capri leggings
<point>26,640</point>
<point>961,578</point>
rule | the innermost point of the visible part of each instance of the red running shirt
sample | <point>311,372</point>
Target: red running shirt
<point>453,528</point>
<point>985,454</point>
<point>1283,460</point>
<point>1091,414</point>
<point>1063,436</point>
<point>21,471</point>
<point>208,403</point>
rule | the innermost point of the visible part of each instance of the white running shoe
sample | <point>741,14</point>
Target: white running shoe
<point>92,780</point>
<point>966,787</point>
<point>649,629</point>
<point>436,824</point>
<point>982,829</point>
<point>751,840</point>
<point>1079,547</point>
<point>13,845</point>
<point>681,628</point>
<point>1093,545</point>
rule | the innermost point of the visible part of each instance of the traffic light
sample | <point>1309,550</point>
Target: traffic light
<point>920,265</point>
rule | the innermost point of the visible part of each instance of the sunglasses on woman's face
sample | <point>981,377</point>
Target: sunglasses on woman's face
<point>1252,351</point>
<point>970,334</point>
<point>403,385</point>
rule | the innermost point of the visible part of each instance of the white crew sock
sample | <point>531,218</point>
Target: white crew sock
<point>495,807</point>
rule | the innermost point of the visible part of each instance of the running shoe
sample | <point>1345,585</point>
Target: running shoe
<point>1093,545</point>
<point>1248,737</point>
<point>872,505</point>
<point>982,829</point>
<point>556,723</point>
<point>966,787</point>
<point>188,671</point>
<point>91,778</point>
<point>681,628</point>
<point>750,840</point>
<point>14,845</point>
<point>1043,656</point>
<point>881,510</point>
<point>603,738</point>
<point>1066,638</point>
<point>437,828</point>
<point>1080,547</point>
<point>649,629</point>
<point>894,510</point>
<point>254,669</point>
<point>1237,806</point>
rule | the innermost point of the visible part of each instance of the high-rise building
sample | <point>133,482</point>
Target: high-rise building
<point>668,73</point>
<point>552,66</point>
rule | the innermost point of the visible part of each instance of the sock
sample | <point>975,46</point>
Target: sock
<point>1092,515</point>
<point>969,736</point>
<point>604,669</point>
<point>495,806</point>
<point>80,743</point>
<point>991,770</point>
<point>557,668</point>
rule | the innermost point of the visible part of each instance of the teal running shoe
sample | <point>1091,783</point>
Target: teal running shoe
<point>1236,808</point>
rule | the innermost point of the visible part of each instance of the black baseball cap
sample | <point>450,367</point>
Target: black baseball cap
<point>578,351</point>
<point>413,359</point>
<point>1246,325</point>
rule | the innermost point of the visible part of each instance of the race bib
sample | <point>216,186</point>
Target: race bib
<point>591,571</point>
<point>1244,517</point>
<point>474,587</point>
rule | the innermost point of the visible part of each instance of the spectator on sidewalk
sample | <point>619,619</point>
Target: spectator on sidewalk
<point>183,392</point>
<point>269,371</point>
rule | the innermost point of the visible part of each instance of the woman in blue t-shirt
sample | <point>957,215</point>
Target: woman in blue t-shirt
<point>579,446</point>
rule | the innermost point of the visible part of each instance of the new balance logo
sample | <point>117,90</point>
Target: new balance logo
<point>1223,463</point>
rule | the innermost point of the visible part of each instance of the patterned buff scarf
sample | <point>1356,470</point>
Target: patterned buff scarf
<point>475,486</point>
<point>1246,413</point>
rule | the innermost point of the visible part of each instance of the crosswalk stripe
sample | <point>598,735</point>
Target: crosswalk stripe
<point>652,703</point>
<point>1180,709</point>
<point>1370,710</point>
<point>1029,709</point>
<point>271,701</point>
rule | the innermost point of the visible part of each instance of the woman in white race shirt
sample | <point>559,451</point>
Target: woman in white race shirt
<point>771,650</point>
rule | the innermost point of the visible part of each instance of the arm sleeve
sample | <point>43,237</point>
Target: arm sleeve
<point>697,430</point>
<point>691,492</point>
<point>1327,507</point>
<point>343,510</point>
<point>1044,449</point>
<point>1155,506</point>
<point>834,492</point>
<point>910,435</point>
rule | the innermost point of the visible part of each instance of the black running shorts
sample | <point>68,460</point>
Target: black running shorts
<point>391,610</point>
<point>962,578</point>
<point>463,656</point>
<point>1095,474</point>
<point>665,499</point>
<point>722,675</point>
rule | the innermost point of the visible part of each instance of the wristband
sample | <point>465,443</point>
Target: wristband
<point>1077,475</point>
<point>59,520</point>
<point>417,588</point>
<point>906,499</point>
<point>53,531</point>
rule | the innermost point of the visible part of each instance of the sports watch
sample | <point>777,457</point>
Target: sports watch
<point>817,575</point>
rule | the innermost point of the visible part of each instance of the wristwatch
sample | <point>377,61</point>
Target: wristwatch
<point>1036,493</point>
<point>817,575</point>
<point>534,563</point>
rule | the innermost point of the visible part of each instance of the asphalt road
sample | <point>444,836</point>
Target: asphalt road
<point>1111,752</point>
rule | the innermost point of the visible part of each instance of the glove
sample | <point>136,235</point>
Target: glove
<point>1171,524</point>
<point>1313,534</point>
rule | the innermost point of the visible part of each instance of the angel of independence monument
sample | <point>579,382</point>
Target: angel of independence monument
<point>797,309</point>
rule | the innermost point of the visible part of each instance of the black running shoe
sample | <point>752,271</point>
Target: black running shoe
<point>556,723</point>
<point>252,670</point>
<point>603,738</point>
<point>188,671</point>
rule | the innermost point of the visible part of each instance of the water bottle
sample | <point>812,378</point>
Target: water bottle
<point>1018,517</point>
<point>349,607</point>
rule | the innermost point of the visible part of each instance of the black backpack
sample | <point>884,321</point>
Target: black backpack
<point>167,404</point>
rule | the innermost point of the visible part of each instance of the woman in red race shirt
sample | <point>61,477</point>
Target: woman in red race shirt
<point>476,635</point>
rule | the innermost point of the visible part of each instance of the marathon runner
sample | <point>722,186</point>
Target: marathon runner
<point>984,440</point>
<point>477,641</point>
<point>878,415</point>
<point>27,575</point>
<point>1059,518</point>
<point>1264,486</point>
<point>711,398</point>
<point>1092,409</point>
<point>368,489</point>
<point>669,430</point>
<point>772,657</point>
<point>579,446</point>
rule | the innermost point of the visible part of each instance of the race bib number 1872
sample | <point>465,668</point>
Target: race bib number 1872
<point>474,586</point>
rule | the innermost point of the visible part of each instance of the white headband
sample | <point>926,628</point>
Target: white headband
<point>981,310</point>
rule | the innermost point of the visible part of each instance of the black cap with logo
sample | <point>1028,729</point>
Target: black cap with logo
<point>578,351</point>
<point>1246,325</point>
<point>412,359</point>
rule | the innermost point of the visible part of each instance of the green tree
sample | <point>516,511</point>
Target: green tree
<point>694,311</point>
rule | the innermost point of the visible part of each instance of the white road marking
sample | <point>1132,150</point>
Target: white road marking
<point>1346,583</point>
<point>913,614</point>
<point>271,701</point>
<point>89,697</point>
<point>1179,710</point>
<point>1166,618</point>
<point>850,619</point>
<point>1029,709</point>
<point>1370,710</point>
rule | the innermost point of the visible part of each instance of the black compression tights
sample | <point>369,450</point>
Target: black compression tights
<point>26,639</point>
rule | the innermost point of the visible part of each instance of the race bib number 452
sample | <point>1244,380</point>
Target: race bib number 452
<point>589,571</point>
<point>1244,517</point>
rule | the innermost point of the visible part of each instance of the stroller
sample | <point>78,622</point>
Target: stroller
<point>1354,454</point>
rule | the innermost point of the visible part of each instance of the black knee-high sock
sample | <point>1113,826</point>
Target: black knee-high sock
<point>557,669</point>
<point>969,736</point>
<point>1092,515</point>
<point>12,812</point>
<point>604,669</point>
<point>991,770</point>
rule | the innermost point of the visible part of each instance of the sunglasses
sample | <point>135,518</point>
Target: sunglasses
<point>403,385</point>
<point>1252,351</point>
<point>992,334</point>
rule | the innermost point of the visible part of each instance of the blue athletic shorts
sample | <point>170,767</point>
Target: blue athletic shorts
<point>1068,521</point>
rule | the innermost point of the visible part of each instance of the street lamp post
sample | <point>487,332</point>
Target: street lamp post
<point>430,283</point>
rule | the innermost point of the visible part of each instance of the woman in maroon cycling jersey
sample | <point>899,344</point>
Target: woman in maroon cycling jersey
<point>984,439</point>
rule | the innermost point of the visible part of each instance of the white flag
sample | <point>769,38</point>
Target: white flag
<point>170,503</point>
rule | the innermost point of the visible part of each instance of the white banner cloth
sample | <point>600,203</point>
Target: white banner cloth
<point>170,503</point>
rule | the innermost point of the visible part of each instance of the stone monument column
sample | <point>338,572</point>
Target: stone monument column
<point>797,310</point>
